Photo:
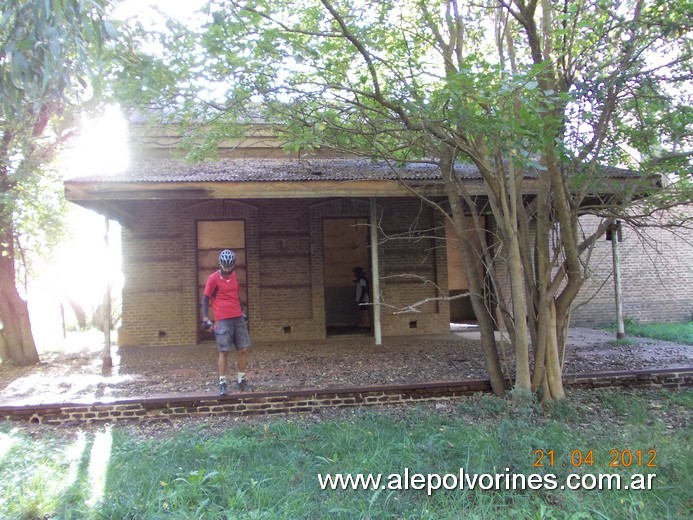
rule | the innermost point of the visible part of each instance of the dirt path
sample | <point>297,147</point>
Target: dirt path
<point>74,374</point>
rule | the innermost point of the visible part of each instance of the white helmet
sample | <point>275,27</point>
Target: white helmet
<point>227,259</point>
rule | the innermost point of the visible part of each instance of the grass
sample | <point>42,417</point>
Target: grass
<point>268,468</point>
<point>676,332</point>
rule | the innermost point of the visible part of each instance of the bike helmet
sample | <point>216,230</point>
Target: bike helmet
<point>227,259</point>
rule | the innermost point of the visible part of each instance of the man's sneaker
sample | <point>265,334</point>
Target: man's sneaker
<point>243,386</point>
<point>223,388</point>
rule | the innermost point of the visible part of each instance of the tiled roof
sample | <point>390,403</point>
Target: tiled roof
<point>267,170</point>
<point>287,170</point>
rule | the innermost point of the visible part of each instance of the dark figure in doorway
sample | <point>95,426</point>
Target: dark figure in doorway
<point>362,294</point>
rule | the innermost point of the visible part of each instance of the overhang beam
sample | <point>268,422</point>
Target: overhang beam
<point>83,191</point>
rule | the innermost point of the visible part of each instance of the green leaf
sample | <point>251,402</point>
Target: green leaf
<point>110,29</point>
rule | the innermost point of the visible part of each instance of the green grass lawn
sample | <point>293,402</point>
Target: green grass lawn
<point>676,332</point>
<point>269,468</point>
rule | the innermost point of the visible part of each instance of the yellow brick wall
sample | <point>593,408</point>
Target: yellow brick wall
<point>284,267</point>
<point>656,277</point>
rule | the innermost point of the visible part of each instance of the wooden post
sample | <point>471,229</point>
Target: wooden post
<point>375,278</point>
<point>107,360</point>
<point>62,320</point>
<point>616,253</point>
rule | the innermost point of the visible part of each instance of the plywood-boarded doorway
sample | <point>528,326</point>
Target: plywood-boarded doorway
<point>345,246</point>
<point>460,308</point>
<point>213,236</point>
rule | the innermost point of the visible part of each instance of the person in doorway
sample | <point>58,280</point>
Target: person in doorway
<point>230,322</point>
<point>362,294</point>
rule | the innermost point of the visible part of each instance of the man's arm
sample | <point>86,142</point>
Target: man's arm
<point>206,322</point>
<point>205,307</point>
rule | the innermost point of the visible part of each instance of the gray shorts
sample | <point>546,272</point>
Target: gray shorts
<point>231,331</point>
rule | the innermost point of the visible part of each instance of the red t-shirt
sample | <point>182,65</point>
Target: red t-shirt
<point>223,295</point>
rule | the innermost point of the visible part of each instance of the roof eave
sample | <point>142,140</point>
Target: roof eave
<point>110,190</point>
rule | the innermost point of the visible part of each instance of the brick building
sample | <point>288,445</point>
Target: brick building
<point>656,272</point>
<point>299,226</point>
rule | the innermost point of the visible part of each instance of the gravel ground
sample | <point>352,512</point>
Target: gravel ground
<point>74,373</point>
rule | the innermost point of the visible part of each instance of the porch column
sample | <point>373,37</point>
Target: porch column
<point>106,359</point>
<point>615,251</point>
<point>375,278</point>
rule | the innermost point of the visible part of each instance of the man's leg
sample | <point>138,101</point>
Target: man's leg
<point>241,365</point>
<point>242,341</point>
<point>222,363</point>
<point>223,337</point>
<point>242,360</point>
<point>364,317</point>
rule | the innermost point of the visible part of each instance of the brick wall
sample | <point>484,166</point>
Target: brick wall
<point>656,277</point>
<point>159,276</point>
<point>284,259</point>
<point>285,269</point>
<point>413,268</point>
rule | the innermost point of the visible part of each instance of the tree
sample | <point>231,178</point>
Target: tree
<point>544,98</point>
<point>46,51</point>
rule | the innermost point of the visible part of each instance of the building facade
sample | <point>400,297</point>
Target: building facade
<point>299,226</point>
<point>295,261</point>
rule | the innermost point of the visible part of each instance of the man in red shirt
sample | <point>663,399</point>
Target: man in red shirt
<point>230,325</point>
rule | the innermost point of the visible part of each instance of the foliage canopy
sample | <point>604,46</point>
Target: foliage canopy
<point>48,54</point>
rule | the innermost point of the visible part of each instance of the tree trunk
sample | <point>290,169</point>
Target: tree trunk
<point>539,375</point>
<point>14,314</point>
<point>553,366</point>
<point>15,325</point>
<point>14,311</point>
<point>79,313</point>
<point>523,380</point>
<point>485,321</point>
<point>4,354</point>
<point>471,261</point>
<point>505,206</point>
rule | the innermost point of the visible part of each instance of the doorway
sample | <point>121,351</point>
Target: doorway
<point>345,246</point>
<point>460,308</point>
<point>213,236</point>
